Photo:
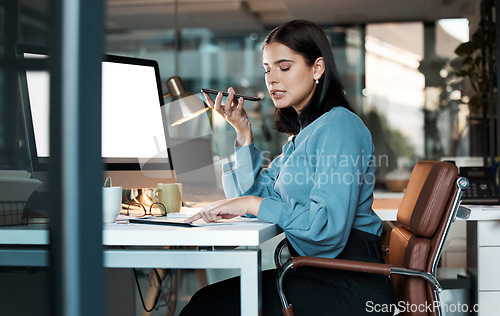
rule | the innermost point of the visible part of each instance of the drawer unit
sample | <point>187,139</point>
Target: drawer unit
<point>489,303</point>
<point>488,272</point>
<point>483,261</point>
<point>488,233</point>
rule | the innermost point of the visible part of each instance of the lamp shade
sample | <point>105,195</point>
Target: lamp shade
<point>184,105</point>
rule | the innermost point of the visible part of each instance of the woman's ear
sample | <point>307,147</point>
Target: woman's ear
<point>319,68</point>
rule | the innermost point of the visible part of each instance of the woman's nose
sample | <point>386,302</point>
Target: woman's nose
<point>271,77</point>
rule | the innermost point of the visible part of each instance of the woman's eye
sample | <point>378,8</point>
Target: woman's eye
<point>285,69</point>
<point>267,72</point>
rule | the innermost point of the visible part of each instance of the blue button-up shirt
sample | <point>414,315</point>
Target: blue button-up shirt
<point>319,188</point>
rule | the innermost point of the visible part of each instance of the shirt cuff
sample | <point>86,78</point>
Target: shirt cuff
<point>236,147</point>
<point>228,167</point>
<point>243,155</point>
<point>240,151</point>
<point>270,210</point>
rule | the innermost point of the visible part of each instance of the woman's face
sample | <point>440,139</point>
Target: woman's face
<point>289,80</point>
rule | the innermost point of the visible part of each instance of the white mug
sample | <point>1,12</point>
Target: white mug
<point>111,203</point>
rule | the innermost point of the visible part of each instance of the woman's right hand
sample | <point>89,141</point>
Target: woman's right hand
<point>234,114</point>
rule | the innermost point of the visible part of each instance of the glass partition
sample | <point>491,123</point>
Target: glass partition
<point>17,192</point>
<point>414,102</point>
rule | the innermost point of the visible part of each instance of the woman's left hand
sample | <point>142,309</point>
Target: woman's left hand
<point>225,209</point>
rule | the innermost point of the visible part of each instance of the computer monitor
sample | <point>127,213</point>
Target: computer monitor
<point>134,138</point>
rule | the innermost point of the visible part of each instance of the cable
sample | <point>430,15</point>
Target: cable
<point>173,275</point>
<point>157,298</point>
<point>168,300</point>
<point>161,282</point>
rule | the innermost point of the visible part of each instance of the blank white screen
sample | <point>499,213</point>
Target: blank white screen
<point>132,125</point>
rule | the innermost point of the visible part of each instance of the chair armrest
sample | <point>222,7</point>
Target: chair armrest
<point>277,252</point>
<point>341,264</point>
<point>345,265</point>
<point>358,266</point>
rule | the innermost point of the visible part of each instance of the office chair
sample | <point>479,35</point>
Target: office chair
<point>429,206</point>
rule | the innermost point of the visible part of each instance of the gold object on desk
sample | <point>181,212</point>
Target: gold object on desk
<point>143,197</point>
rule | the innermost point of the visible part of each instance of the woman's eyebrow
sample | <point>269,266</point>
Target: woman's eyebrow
<point>279,62</point>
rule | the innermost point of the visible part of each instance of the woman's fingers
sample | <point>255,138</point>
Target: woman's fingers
<point>231,103</point>
<point>208,213</point>
<point>232,110</point>
<point>228,109</point>
<point>207,217</point>
<point>193,218</point>
<point>217,210</point>
<point>211,213</point>
<point>218,104</point>
<point>210,102</point>
<point>239,107</point>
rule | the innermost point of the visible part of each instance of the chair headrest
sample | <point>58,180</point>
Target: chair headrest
<point>426,197</point>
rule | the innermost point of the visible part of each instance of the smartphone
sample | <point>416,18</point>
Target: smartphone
<point>237,96</point>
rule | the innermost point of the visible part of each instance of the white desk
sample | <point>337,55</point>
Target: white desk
<point>152,246</point>
<point>483,254</point>
<point>145,248</point>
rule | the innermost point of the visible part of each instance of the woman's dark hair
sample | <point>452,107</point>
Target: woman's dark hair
<point>309,40</point>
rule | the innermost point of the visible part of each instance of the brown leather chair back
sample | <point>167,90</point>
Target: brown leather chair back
<point>422,218</point>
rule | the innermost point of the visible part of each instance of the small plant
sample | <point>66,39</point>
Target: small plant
<point>107,183</point>
<point>479,62</point>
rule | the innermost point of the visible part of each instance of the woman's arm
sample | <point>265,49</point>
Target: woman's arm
<point>245,175</point>
<point>225,209</point>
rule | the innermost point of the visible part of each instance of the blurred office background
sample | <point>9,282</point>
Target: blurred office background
<point>396,59</point>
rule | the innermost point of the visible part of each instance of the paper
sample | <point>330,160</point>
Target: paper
<point>152,220</point>
<point>179,221</point>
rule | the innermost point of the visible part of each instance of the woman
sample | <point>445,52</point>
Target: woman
<point>319,190</point>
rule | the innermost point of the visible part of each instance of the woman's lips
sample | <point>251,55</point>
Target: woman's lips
<point>277,94</point>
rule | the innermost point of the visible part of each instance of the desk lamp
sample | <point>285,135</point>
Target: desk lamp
<point>184,106</point>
